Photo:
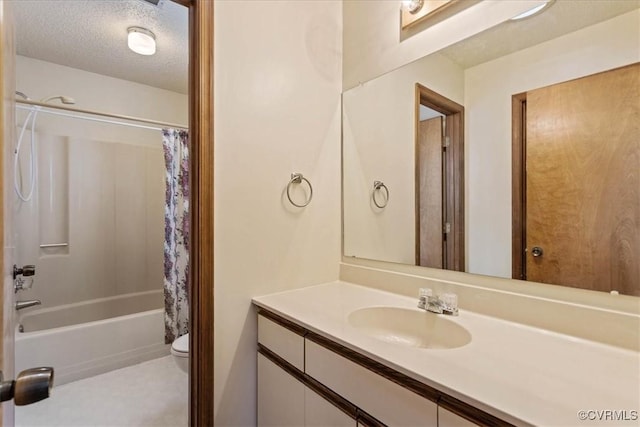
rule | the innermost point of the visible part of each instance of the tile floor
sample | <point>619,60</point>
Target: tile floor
<point>153,393</point>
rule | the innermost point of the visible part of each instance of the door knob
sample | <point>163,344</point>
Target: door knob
<point>537,251</point>
<point>31,385</point>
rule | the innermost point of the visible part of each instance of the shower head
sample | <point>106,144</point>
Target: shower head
<point>64,99</point>
<point>22,95</point>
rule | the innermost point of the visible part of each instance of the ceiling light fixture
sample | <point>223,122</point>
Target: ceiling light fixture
<point>141,41</point>
<point>533,11</point>
<point>412,6</point>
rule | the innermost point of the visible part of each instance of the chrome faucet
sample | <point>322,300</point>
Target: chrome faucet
<point>26,304</point>
<point>441,304</point>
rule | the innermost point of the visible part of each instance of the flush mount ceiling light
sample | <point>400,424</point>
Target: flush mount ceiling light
<point>141,41</point>
<point>412,6</point>
<point>533,11</point>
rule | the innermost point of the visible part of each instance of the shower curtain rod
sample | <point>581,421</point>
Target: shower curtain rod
<point>47,108</point>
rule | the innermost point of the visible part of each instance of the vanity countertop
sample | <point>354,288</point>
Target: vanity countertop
<point>521,374</point>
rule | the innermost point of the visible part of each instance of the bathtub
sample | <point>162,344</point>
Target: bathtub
<point>92,337</point>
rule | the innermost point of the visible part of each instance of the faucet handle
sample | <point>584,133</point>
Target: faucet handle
<point>449,303</point>
<point>425,292</point>
<point>424,295</point>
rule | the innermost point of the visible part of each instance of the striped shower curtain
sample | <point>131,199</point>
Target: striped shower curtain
<point>176,234</point>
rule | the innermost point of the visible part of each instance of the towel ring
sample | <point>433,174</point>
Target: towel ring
<point>297,178</point>
<point>377,185</point>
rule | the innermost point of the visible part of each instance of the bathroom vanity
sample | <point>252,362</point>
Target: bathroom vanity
<point>343,354</point>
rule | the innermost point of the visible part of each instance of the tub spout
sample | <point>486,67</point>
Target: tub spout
<point>26,304</point>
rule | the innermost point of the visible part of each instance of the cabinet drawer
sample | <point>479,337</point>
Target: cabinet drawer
<point>282,341</point>
<point>387,401</point>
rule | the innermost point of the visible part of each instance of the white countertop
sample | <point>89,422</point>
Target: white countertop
<point>523,375</point>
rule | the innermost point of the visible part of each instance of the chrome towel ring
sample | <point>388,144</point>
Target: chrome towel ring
<point>379,185</point>
<point>297,178</point>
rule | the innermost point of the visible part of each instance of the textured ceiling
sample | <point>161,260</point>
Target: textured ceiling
<point>92,35</point>
<point>562,17</point>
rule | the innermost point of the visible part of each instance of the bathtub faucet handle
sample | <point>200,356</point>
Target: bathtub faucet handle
<point>26,304</point>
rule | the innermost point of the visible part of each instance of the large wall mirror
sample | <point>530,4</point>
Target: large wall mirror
<point>546,171</point>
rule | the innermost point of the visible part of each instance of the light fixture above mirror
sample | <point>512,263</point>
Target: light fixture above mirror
<point>414,11</point>
<point>416,15</point>
<point>412,6</point>
<point>533,11</point>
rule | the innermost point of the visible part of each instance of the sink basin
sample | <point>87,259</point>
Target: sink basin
<point>412,328</point>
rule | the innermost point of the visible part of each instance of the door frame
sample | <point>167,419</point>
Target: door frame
<point>454,182</point>
<point>201,260</point>
<point>7,136</point>
<point>518,186</point>
<point>201,283</point>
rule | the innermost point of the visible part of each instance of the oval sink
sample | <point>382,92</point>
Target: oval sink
<point>412,328</point>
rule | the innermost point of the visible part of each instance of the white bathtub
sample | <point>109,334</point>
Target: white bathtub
<point>92,337</point>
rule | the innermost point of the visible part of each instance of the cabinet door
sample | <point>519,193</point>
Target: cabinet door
<point>449,419</point>
<point>381,398</point>
<point>280,396</point>
<point>320,413</point>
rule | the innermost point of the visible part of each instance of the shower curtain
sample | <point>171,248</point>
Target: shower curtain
<point>176,234</point>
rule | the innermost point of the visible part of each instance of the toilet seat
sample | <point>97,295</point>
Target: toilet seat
<point>180,347</point>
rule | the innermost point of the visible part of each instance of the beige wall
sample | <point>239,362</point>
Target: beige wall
<point>277,99</point>
<point>488,91</point>
<point>379,145</point>
<point>100,187</point>
<point>372,42</point>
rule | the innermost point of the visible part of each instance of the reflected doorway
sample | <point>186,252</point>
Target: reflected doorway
<point>439,181</point>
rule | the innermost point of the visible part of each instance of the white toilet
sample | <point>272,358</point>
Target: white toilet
<point>180,352</point>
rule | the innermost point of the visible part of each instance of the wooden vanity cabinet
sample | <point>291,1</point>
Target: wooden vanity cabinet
<point>305,379</point>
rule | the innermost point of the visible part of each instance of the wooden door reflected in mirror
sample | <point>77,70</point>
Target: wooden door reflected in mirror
<point>578,207</point>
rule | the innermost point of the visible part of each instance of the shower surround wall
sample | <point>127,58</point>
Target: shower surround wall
<point>100,188</point>
<point>106,201</point>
